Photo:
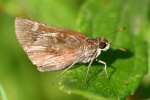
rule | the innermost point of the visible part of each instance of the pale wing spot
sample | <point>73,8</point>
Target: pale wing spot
<point>62,35</point>
<point>35,27</point>
<point>52,34</point>
<point>72,39</point>
<point>43,32</point>
<point>36,48</point>
<point>55,48</point>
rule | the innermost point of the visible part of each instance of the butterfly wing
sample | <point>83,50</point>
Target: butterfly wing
<point>49,48</point>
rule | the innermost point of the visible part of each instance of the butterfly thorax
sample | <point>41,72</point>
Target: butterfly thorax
<point>92,49</point>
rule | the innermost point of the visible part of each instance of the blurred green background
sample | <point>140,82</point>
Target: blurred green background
<point>19,79</point>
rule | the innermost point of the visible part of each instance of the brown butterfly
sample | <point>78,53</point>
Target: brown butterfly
<point>52,48</point>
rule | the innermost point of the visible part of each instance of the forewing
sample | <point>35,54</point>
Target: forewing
<point>49,48</point>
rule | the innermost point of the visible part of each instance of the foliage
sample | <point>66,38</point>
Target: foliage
<point>121,22</point>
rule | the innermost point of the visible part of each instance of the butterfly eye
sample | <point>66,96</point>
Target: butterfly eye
<point>102,44</point>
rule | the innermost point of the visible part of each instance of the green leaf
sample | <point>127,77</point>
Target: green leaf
<point>121,23</point>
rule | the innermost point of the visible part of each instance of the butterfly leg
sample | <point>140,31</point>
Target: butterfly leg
<point>91,61</point>
<point>105,66</point>
<point>69,67</point>
<point>76,61</point>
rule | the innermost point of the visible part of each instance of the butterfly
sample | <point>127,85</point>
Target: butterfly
<point>51,48</point>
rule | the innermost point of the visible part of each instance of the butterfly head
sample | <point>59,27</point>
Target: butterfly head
<point>103,44</point>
